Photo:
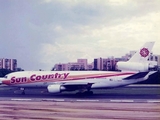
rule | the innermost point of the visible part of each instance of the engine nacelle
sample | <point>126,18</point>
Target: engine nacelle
<point>56,88</point>
<point>153,64</point>
<point>134,66</point>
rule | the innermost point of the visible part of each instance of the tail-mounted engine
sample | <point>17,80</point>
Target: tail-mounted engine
<point>134,66</point>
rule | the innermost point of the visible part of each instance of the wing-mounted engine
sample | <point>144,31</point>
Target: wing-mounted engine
<point>135,66</point>
<point>55,88</point>
<point>71,86</point>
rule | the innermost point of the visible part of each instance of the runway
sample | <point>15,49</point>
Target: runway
<point>119,103</point>
<point>133,93</point>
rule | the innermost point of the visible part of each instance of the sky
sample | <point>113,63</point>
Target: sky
<point>41,33</point>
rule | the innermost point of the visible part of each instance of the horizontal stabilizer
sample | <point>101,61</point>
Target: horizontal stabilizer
<point>137,76</point>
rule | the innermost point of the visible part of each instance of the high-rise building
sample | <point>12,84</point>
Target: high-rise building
<point>98,64</point>
<point>61,67</point>
<point>83,62</point>
<point>10,64</point>
<point>90,66</point>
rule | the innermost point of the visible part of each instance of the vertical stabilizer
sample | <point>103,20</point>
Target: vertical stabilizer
<point>143,53</point>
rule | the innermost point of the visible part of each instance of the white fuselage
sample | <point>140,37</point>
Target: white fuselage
<point>100,79</point>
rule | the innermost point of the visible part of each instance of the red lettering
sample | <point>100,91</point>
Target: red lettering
<point>12,80</point>
<point>24,79</point>
<point>35,77</point>
<point>18,80</point>
<point>50,76</point>
<point>38,77</point>
<point>66,75</point>
<point>56,75</point>
<point>15,80</point>
<point>44,77</point>
<point>59,76</point>
<point>32,78</point>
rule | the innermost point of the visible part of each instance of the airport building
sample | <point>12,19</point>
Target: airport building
<point>10,64</point>
<point>60,67</point>
<point>107,64</point>
<point>81,64</point>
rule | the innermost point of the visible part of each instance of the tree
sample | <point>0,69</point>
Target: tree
<point>4,72</point>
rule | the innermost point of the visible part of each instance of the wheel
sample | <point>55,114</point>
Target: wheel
<point>23,92</point>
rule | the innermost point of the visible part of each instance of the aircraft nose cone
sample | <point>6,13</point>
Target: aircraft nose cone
<point>1,79</point>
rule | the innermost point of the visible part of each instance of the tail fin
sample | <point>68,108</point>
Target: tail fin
<point>143,54</point>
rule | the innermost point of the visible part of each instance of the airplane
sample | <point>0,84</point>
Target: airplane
<point>84,81</point>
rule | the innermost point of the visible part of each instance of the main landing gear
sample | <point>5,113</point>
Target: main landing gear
<point>20,91</point>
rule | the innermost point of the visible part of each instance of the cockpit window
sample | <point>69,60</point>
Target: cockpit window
<point>5,76</point>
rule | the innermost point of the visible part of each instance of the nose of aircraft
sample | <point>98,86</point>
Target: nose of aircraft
<point>1,79</point>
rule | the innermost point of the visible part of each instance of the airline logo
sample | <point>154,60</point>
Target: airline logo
<point>34,78</point>
<point>144,52</point>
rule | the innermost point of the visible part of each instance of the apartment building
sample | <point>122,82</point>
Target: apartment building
<point>81,64</point>
<point>10,64</point>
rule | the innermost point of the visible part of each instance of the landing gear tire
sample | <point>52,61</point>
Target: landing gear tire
<point>23,91</point>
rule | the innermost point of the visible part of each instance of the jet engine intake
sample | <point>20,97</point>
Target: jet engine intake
<point>56,88</point>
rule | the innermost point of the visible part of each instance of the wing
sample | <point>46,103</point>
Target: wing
<point>140,75</point>
<point>71,86</point>
<point>136,76</point>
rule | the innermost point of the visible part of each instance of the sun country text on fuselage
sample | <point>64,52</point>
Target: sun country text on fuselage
<point>60,76</point>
